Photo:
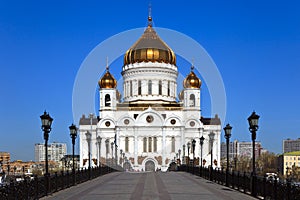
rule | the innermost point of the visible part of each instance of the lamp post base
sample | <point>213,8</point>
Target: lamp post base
<point>253,185</point>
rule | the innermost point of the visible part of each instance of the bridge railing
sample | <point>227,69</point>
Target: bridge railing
<point>264,189</point>
<point>42,186</point>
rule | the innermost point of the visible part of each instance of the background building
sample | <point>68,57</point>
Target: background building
<point>232,150</point>
<point>291,164</point>
<point>244,149</point>
<point>289,145</point>
<point>4,159</point>
<point>56,151</point>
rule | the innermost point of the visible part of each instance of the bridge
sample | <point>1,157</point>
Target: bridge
<point>187,182</point>
<point>149,185</point>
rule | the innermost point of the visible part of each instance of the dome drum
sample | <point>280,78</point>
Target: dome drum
<point>149,55</point>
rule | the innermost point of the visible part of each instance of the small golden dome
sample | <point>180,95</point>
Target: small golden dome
<point>149,48</point>
<point>107,81</point>
<point>192,81</point>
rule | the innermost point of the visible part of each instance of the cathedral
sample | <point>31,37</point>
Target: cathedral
<point>149,128</point>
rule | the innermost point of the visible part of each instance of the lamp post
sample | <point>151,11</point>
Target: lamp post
<point>253,127</point>
<point>116,154</point>
<point>99,139</point>
<point>112,152</point>
<point>188,164</point>
<point>193,146</point>
<point>211,139</point>
<point>183,155</point>
<point>88,139</point>
<point>227,130</point>
<point>123,158</point>
<point>288,173</point>
<point>46,127</point>
<point>189,146</point>
<point>121,152</point>
<point>201,146</point>
<point>179,152</point>
<point>73,134</point>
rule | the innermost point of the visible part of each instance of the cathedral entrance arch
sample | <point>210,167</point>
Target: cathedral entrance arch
<point>150,166</point>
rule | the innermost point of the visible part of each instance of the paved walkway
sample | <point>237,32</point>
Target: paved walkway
<point>149,185</point>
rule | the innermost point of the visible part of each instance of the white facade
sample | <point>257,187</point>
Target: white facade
<point>149,127</point>
<point>55,151</point>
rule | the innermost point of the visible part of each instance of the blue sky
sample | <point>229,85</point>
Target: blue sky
<point>255,45</point>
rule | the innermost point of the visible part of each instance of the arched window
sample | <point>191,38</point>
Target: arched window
<point>126,144</point>
<point>159,87</point>
<point>149,87</point>
<point>192,100</point>
<point>130,87</point>
<point>139,87</point>
<point>107,100</point>
<point>149,144</point>
<point>168,88</point>
<point>144,144</point>
<point>155,144</point>
<point>173,144</point>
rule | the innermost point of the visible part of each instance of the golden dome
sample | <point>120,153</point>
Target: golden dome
<point>192,81</point>
<point>149,48</point>
<point>107,80</point>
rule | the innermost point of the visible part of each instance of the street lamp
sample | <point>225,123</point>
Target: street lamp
<point>211,139</point>
<point>112,152</point>
<point>179,152</point>
<point>23,170</point>
<point>193,146</point>
<point>183,155</point>
<point>88,139</point>
<point>73,134</point>
<point>253,127</point>
<point>123,158</point>
<point>121,152</point>
<point>188,146</point>
<point>46,127</point>
<point>227,130</point>
<point>116,154</point>
<point>99,139</point>
<point>201,145</point>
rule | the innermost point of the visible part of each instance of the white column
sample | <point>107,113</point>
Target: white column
<point>118,144</point>
<point>175,89</point>
<point>135,148</point>
<point>163,147</point>
<point>134,87</point>
<point>182,137</point>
